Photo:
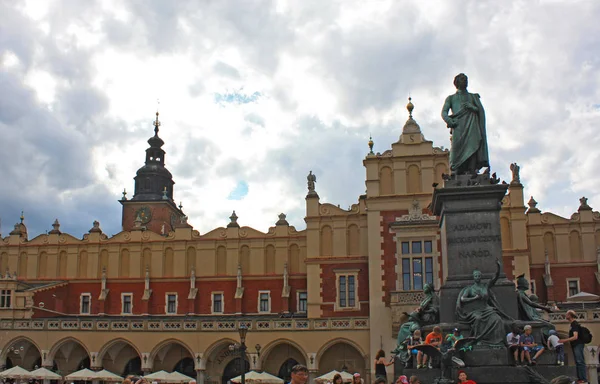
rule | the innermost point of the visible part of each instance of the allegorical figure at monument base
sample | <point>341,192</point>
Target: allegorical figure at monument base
<point>469,151</point>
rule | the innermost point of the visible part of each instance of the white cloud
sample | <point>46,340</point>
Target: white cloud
<point>328,74</point>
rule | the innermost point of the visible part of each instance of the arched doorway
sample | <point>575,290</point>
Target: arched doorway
<point>172,355</point>
<point>342,356</point>
<point>285,372</point>
<point>278,356</point>
<point>186,366</point>
<point>22,352</point>
<point>233,369</point>
<point>120,356</point>
<point>69,355</point>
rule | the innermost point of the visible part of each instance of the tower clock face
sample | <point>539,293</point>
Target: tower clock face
<point>144,214</point>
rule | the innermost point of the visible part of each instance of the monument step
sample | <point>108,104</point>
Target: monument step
<point>493,374</point>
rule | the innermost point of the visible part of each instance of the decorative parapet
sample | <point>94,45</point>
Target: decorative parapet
<point>187,325</point>
<point>406,297</point>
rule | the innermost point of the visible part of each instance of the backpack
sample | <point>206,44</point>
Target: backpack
<point>584,335</point>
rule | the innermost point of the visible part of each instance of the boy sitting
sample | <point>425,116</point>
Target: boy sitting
<point>411,342</point>
<point>435,339</point>
<point>529,346</point>
<point>513,340</point>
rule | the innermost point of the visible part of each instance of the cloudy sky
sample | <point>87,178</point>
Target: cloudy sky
<point>254,94</point>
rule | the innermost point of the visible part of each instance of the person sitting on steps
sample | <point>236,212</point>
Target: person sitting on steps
<point>530,346</point>
<point>434,339</point>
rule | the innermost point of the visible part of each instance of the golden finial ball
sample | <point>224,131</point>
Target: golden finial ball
<point>410,106</point>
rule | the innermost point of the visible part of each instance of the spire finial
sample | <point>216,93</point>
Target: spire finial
<point>410,106</point>
<point>124,194</point>
<point>22,217</point>
<point>156,124</point>
<point>180,205</point>
<point>371,145</point>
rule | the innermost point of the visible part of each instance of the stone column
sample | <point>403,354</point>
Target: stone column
<point>312,375</point>
<point>590,353</point>
<point>200,376</point>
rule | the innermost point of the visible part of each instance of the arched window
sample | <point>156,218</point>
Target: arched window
<point>3,262</point>
<point>190,260</point>
<point>326,241</point>
<point>82,264</point>
<point>22,272</point>
<point>103,262</point>
<point>294,255</point>
<point>43,265</point>
<point>62,264</point>
<point>221,260</point>
<point>575,245</point>
<point>353,240</point>
<point>386,181</point>
<point>270,260</point>
<point>168,266</point>
<point>124,263</point>
<point>549,246</point>
<point>146,262</point>
<point>413,179</point>
<point>505,232</point>
<point>440,169</point>
<point>245,259</point>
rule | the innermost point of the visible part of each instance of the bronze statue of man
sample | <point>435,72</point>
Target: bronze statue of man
<point>469,151</point>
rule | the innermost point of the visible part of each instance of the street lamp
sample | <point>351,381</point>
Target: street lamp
<point>241,347</point>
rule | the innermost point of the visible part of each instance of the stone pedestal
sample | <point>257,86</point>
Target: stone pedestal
<point>469,211</point>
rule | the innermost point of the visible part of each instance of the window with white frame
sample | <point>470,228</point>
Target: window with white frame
<point>217,302</point>
<point>573,287</point>
<point>264,301</point>
<point>85,301</point>
<point>302,301</point>
<point>417,264</point>
<point>346,284</point>
<point>171,303</point>
<point>126,303</point>
<point>5,298</point>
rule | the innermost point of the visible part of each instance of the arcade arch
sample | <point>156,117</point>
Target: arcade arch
<point>342,354</point>
<point>121,357</point>
<point>173,355</point>
<point>21,351</point>
<point>69,355</point>
<point>221,363</point>
<point>280,356</point>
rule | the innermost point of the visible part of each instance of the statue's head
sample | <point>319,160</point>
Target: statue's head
<point>522,283</point>
<point>534,298</point>
<point>477,275</point>
<point>461,81</point>
<point>428,288</point>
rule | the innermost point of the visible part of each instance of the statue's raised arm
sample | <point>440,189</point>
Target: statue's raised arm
<point>493,280</point>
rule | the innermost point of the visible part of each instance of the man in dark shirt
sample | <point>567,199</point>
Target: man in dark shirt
<point>577,346</point>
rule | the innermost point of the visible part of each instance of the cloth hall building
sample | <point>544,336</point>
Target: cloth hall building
<point>161,295</point>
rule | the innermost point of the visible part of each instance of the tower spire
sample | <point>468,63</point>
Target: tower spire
<point>156,125</point>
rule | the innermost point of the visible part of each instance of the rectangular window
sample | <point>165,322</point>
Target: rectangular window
<point>347,290</point>
<point>84,306</point>
<point>343,291</point>
<point>417,247</point>
<point>5,298</point>
<point>417,274</point>
<point>171,303</point>
<point>217,303</point>
<point>406,274</point>
<point>126,303</point>
<point>428,246</point>
<point>405,248</point>
<point>573,287</point>
<point>429,270</point>
<point>302,301</point>
<point>264,302</point>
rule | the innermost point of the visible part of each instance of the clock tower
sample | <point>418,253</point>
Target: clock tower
<point>152,206</point>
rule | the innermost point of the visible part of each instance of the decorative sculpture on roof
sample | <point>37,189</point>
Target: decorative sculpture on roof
<point>312,179</point>
<point>469,151</point>
<point>516,178</point>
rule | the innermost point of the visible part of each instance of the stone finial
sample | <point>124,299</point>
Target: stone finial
<point>286,276</point>
<point>124,194</point>
<point>193,278</point>
<point>532,206</point>
<point>583,205</point>
<point>96,226</point>
<point>55,228</point>
<point>239,276</point>
<point>410,107</point>
<point>282,220</point>
<point>104,277</point>
<point>180,205</point>
<point>233,221</point>
<point>547,273</point>
<point>411,125</point>
<point>515,169</point>
<point>311,180</point>
<point>147,278</point>
<point>371,145</point>
<point>164,196</point>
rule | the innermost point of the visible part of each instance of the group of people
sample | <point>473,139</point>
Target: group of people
<point>435,338</point>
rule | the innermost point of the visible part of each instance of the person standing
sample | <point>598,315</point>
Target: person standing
<point>380,364</point>
<point>554,344</point>
<point>577,345</point>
